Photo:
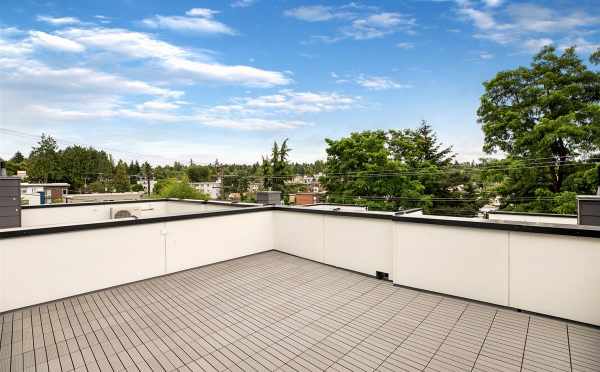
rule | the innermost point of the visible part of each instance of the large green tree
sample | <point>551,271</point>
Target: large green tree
<point>548,111</point>
<point>361,169</point>
<point>43,162</point>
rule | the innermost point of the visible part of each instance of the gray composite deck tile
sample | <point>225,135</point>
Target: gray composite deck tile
<point>273,311</point>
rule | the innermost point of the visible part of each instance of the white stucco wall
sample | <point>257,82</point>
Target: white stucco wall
<point>551,274</point>
<point>556,275</point>
<point>360,244</point>
<point>196,242</point>
<point>40,268</point>
<point>461,261</point>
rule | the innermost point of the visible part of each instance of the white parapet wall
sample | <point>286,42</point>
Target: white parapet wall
<point>556,275</point>
<point>534,267</point>
<point>40,268</point>
<point>365,245</point>
<point>202,241</point>
<point>461,261</point>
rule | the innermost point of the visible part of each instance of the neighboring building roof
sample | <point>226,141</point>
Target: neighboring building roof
<point>55,184</point>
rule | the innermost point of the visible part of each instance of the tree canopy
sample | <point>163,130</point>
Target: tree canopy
<point>549,110</point>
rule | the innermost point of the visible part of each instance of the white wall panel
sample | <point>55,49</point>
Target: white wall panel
<point>556,275</point>
<point>202,241</point>
<point>460,261</point>
<point>300,234</point>
<point>360,244</point>
<point>46,267</point>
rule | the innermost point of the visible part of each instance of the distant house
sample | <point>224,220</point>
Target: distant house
<point>144,182</point>
<point>44,193</point>
<point>306,198</point>
<point>213,189</point>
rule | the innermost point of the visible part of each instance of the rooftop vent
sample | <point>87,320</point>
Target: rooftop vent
<point>2,168</point>
<point>588,210</point>
<point>268,197</point>
<point>123,213</point>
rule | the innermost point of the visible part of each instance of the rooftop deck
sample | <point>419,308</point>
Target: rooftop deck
<point>274,311</point>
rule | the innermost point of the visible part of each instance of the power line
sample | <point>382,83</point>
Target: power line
<point>419,172</point>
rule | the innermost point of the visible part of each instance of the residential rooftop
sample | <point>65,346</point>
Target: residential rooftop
<point>278,312</point>
<point>232,286</point>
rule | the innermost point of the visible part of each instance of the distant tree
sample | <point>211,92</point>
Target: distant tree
<point>17,157</point>
<point>417,147</point>
<point>199,173</point>
<point>550,110</point>
<point>179,189</point>
<point>120,180</point>
<point>354,166</point>
<point>99,186</point>
<point>137,187</point>
<point>134,168</point>
<point>43,163</point>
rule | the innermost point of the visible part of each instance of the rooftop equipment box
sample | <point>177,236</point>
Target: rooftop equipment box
<point>10,202</point>
<point>588,210</point>
<point>268,197</point>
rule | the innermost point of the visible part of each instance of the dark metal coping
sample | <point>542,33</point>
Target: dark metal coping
<point>543,228</point>
<point>533,214</point>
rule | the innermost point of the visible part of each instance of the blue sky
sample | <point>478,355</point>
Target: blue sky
<point>222,79</point>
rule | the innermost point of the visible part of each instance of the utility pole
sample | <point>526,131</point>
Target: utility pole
<point>221,174</point>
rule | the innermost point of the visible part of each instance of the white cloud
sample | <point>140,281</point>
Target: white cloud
<point>14,49</point>
<point>157,105</point>
<point>379,83</point>
<point>405,45</point>
<point>486,55</point>
<point>527,25</point>
<point>535,18</point>
<point>291,102</point>
<point>173,58</point>
<point>534,45</point>
<point>365,22</point>
<point>58,21</point>
<point>316,13</point>
<point>48,41</point>
<point>242,3</point>
<point>245,75</point>
<point>493,3</point>
<point>201,22</point>
<point>481,19</point>
<point>379,25</point>
<point>29,74</point>
<point>581,45</point>
<point>202,12</point>
<point>129,43</point>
